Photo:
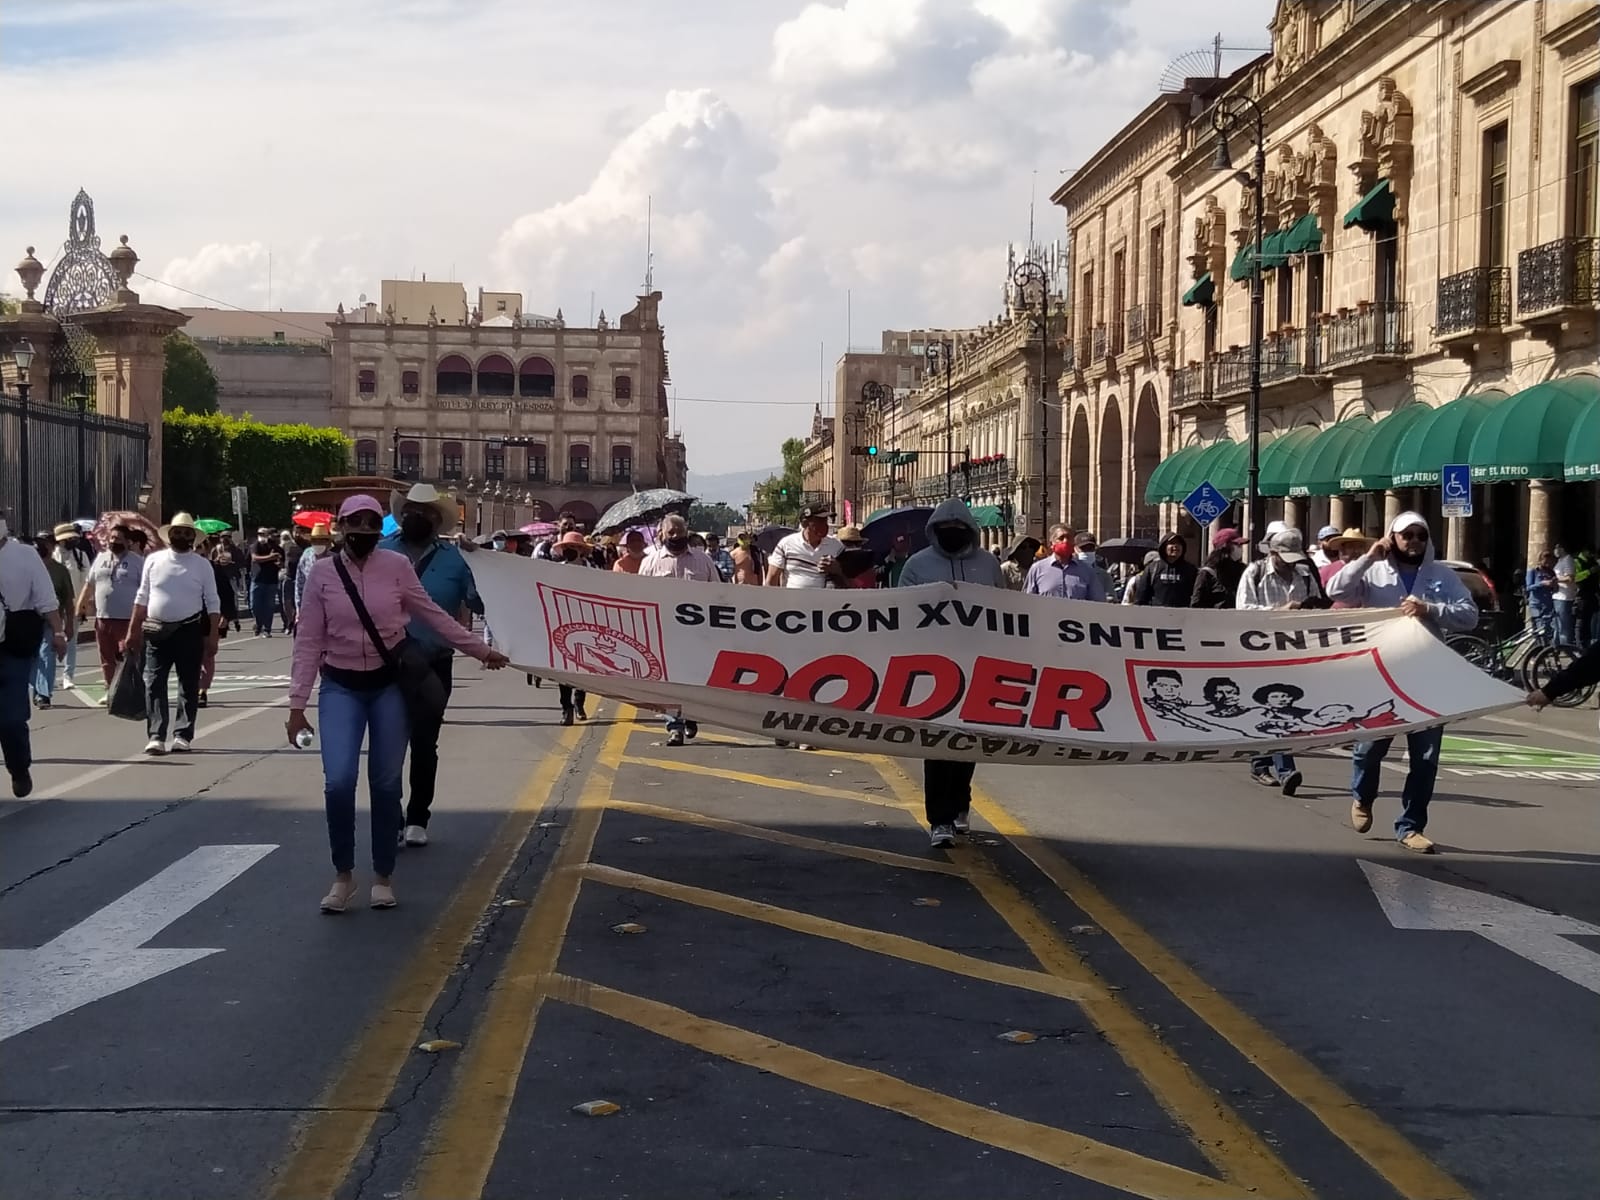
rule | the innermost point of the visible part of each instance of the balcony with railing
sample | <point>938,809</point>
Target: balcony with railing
<point>1098,344</point>
<point>1133,321</point>
<point>816,500</point>
<point>1068,352</point>
<point>995,470</point>
<point>1472,303</point>
<point>1191,386</point>
<point>1282,359</point>
<point>1370,332</point>
<point>1558,277</point>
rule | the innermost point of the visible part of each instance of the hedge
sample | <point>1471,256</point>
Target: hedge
<point>206,455</point>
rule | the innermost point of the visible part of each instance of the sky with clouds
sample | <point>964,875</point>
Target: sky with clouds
<point>792,153</point>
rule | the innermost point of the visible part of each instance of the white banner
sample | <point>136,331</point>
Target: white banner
<point>969,672</point>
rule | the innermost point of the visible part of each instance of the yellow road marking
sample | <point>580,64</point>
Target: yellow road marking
<point>1387,1152</point>
<point>462,1145</point>
<point>892,945</point>
<point>1236,1150</point>
<point>843,849</point>
<point>329,1144</point>
<point>1069,1152</point>
<point>764,781</point>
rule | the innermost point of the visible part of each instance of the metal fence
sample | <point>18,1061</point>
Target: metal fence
<point>81,463</point>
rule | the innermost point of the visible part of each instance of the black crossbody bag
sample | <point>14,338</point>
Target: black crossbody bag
<point>422,690</point>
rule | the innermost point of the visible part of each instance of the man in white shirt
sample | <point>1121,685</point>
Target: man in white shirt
<point>176,612</point>
<point>674,558</point>
<point>1566,597</point>
<point>30,604</point>
<point>806,559</point>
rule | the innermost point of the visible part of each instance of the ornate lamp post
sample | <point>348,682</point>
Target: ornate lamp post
<point>945,351</point>
<point>23,355</point>
<point>1230,114</point>
<point>1030,274</point>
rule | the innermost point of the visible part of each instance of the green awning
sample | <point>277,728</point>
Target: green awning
<point>1240,271</point>
<point>989,516</point>
<point>1583,447</point>
<point>1157,489</point>
<point>1372,470</point>
<point>1201,292</point>
<point>1282,459</point>
<point>1272,251</point>
<point>1526,436</point>
<point>1198,469</point>
<point>1230,473</point>
<point>1303,237</point>
<point>1374,212</point>
<point>1443,437</point>
<point>1322,464</point>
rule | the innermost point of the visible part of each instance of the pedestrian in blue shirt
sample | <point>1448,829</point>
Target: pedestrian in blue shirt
<point>1062,573</point>
<point>425,518</point>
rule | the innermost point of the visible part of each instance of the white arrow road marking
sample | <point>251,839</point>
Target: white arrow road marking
<point>100,956</point>
<point>1413,901</point>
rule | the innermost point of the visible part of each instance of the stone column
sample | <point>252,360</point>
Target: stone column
<point>1393,505</point>
<point>1542,529</point>
<point>1294,516</point>
<point>1338,512</point>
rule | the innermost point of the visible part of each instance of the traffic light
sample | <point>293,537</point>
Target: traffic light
<point>784,493</point>
<point>868,451</point>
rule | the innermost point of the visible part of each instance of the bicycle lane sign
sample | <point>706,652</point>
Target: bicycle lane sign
<point>1455,489</point>
<point>1205,503</point>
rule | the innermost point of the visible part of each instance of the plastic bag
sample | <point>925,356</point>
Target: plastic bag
<point>126,698</point>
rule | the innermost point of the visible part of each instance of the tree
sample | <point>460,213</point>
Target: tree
<point>714,518</point>
<point>205,456</point>
<point>187,382</point>
<point>778,498</point>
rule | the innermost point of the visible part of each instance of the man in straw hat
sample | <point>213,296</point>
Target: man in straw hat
<point>1346,548</point>
<point>426,518</point>
<point>176,612</point>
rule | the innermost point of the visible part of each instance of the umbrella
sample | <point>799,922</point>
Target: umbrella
<point>1026,542</point>
<point>912,522</point>
<point>390,525</point>
<point>133,520</point>
<point>767,539</point>
<point>211,526</point>
<point>1125,550</point>
<point>539,529</point>
<point>307,518</point>
<point>642,508</point>
<point>85,524</point>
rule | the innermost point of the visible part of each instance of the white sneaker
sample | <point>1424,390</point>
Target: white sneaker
<point>942,835</point>
<point>102,702</point>
<point>961,823</point>
<point>180,745</point>
<point>66,682</point>
<point>416,835</point>
<point>154,746</point>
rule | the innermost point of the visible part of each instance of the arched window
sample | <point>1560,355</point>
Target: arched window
<point>622,387</point>
<point>580,387</point>
<point>538,463</point>
<point>367,457</point>
<point>366,381</point>
<point>621,464</point>
<point>494,462</point>
<point>410,383</point>
<point>410,465</point>
<point>578,463</point>
<point>454,376</point>
<point>536,377</point>
<point>451,461</point>
<point>495,376</point>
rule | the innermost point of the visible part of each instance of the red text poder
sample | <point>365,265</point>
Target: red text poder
<point>998,692</point>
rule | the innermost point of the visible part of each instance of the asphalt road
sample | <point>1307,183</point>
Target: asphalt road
<point>1132,982</point>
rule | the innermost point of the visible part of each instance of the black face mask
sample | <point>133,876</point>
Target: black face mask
<point>953,539</point>
<point>677,544</point>
<point>569,556</point>
<point>118,547</point>
<point>181,543</point>
<point>416,527</point>
<point>361,544</point>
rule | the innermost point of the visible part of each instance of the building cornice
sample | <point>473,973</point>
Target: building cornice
<point>1123,146</point>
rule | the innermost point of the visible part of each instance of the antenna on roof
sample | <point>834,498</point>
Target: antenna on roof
<point>1194,65</point>
<point>649,258</point>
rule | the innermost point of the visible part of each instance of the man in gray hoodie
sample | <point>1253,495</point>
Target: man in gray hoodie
<point>954,555</point>
<point>1400,571</point>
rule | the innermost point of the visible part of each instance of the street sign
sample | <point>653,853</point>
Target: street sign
<point>241,502</point>
<point>1413,901</point>
<point>101,956</point>
<point>1205,503</point>
<point>1455,486</point>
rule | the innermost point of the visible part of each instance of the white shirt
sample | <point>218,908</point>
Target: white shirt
<point>660,563</point>
<point>177,586</point>
<point>1566,586</point>
<point>24,580</point>
<point>1262,587</point>
<point>798,559</point>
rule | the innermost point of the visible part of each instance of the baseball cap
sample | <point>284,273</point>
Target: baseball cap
<point>1223,538</point>
<point>1085,541</point>
<point>1326,532</point>
<point>1288,545</point>
<point>814,510</point>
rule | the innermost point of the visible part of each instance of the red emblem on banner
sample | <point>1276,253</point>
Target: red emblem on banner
<point>603,637</point>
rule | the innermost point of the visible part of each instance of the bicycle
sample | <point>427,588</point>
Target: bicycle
<point>1524,659</point>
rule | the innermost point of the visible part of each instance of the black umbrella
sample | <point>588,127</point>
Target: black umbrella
<point>1125,550</point>
<point>880,532</point>
<point>642,508</point>
<point>767,539</point>
<point>1026,543</point>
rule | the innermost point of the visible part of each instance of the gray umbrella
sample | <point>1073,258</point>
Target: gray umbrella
<point>642,508</point>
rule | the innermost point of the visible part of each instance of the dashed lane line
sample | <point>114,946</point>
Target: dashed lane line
<point>1069,1152</point>
<point>330,1143</point>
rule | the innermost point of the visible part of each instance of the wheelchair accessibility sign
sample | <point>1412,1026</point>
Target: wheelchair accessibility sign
<point>1455,487</point>
<point>1205,503</point>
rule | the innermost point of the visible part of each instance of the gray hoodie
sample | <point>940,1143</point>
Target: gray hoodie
<point>1369,583</point>
<point>933,565</point>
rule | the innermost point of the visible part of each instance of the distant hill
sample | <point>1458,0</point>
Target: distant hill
<point>732,488</point>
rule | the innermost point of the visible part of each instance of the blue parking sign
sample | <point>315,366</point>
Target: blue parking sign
<point>1205,503</point>
<point>1455,490</point>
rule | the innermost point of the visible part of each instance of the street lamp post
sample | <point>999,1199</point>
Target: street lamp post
<point>1032,274</point>
<point>936,351</point>
<point>23,356</point>
<point>1231,113</point>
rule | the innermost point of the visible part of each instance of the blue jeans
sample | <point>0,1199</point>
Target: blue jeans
<point>14,712</point>
<point>44,666</point>
<point>70,670</point>
<point>1565,631</point>
<point>1278,765</point>
<point>1543,620</point>
<point>1422,747</point>
<point>345,715</point>
<point>263,603</point>
<point>675,721</point>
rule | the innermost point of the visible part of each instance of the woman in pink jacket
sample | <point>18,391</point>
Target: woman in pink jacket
<point>359,694</point>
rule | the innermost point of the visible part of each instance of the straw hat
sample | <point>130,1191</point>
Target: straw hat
<point>850,534</point>
<point>426,493</point>
<point>182,521</point>
<point>67,529</point>
<point>1354,537</point>
<point>321,532</point>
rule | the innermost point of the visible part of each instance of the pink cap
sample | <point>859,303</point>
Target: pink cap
<point>1223,538</point>
<point>357,504</point>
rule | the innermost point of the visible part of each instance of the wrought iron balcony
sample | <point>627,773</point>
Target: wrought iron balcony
<point>1369,331</point>
<point>1134,320</point>
<point>1561,274</point>
<point>1191,385</point>
<point>815,500</point>
<point>1097,343</point>
<point>1069,359</point>
<point>1281,359</point>
<point>1473,301</point>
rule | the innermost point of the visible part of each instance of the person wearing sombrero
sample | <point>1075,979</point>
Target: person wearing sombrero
<point>1345,548</point>
<point>318,542</point>
<point>175,613</point>
<point>426,518</point>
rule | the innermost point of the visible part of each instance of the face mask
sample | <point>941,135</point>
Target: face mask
<point>361,544</point>
<point>1063,549</point>
<point>677,544</point>
<point>570,556</point>
<point>1237,551</point>
<point>180,543</point>
<point>118,547</point>
<point>953,539</point>
<point>415,527</point>
<point>499,543</point>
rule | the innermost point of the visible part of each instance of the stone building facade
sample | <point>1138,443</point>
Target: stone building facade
<point>276,366</point>
<point>569,420</point>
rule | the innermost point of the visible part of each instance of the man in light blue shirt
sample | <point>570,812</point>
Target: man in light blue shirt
<point>425,516</point>
<point>1062,573</point>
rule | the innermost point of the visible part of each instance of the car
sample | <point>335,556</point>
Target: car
<point>1483,591</point>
